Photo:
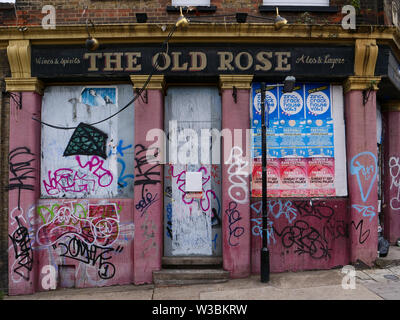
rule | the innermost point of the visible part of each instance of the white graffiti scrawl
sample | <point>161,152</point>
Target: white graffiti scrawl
<point>238,171</point>
<point>394,169</point>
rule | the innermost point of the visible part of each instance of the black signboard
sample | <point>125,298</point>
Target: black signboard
<point>193,59</point>
<point>388,67</point>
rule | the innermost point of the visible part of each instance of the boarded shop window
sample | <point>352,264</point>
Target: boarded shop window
<point>91,160</point>
<point>305,141</point>
<point>296,3</point>
<point>185,3</point>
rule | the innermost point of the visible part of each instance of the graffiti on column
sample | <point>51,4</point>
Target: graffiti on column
<point>22,250</point>
<point>364,167</point>
<point>148,174</point>
<point>394,169</point>
<point>238,191</point>
<point>19,161</point>
<point>21,178</point>
<point>238,172</point>
<point>234,217</point>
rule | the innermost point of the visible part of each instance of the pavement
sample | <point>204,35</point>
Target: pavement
<point>381,282</point>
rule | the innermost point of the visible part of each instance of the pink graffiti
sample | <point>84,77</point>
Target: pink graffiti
<point>205,201</point>
<point>99,224</point>
<point>69,180</point>
<point>104,176</point>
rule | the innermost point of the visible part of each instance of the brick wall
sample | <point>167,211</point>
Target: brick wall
<point>123,11</point>
<point>4,129</point>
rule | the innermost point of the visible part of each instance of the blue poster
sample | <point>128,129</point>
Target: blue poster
<point>319,120</point>
<point>300,123</point>
<point>271,104</point>
<point>318,102</point>
<point>291,105</point>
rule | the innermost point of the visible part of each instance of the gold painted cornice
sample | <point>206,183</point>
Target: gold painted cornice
<point>157,82</point>
<point>361,83</point>
<point>238,81</point>
<point>19,57</point>
<point>24,84</point>
<point>391,106</point>
<point>201,32</point>
<point>366,54</point>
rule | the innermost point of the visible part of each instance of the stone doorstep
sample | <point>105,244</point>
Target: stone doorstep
<point>189,276</point>
<point>184,260</point>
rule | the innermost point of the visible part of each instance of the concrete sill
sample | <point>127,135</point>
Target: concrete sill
<point>328,9</point>
<point>6,6</point>
<point>203,9</point>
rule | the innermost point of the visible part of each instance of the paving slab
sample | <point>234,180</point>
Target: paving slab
<point>363,275</point>
<point>379,274</point>
<point>191,292</point>
<point>311,293</point>
<point>129,292</point>
<point>387,291</point>
<point>306,279</point>
<point>395,270</point>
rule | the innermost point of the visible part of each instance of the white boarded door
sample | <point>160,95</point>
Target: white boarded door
<point>192,220</point>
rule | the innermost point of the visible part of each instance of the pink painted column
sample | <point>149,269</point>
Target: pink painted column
<point>236,231</point>
<point>24,190</point>
<point>391,205</point>
<point>362,169</point>
<point>148,185</point>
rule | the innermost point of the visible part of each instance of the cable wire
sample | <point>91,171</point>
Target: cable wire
<point>138,93</point>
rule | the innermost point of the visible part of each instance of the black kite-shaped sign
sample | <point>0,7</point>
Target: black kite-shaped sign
<point>87,140</point>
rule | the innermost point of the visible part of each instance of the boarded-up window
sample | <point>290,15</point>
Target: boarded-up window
<point>306,154</point>
<point>87,157</point>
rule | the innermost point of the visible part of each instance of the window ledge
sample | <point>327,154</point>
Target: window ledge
<point>329,9</point>
<point>7,6</point>
<point>205,9</point>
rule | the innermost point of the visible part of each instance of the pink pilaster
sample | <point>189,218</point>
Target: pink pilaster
<point>391,206</point>
<point>148,189</point>
<point>24,190</point>
<point>362,169</point>
<point>236,232</point>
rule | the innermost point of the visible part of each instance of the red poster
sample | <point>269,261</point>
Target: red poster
<point>273,178</point>
<point>294,177</point>
<point>256,181</point>
<point>321,175</point>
